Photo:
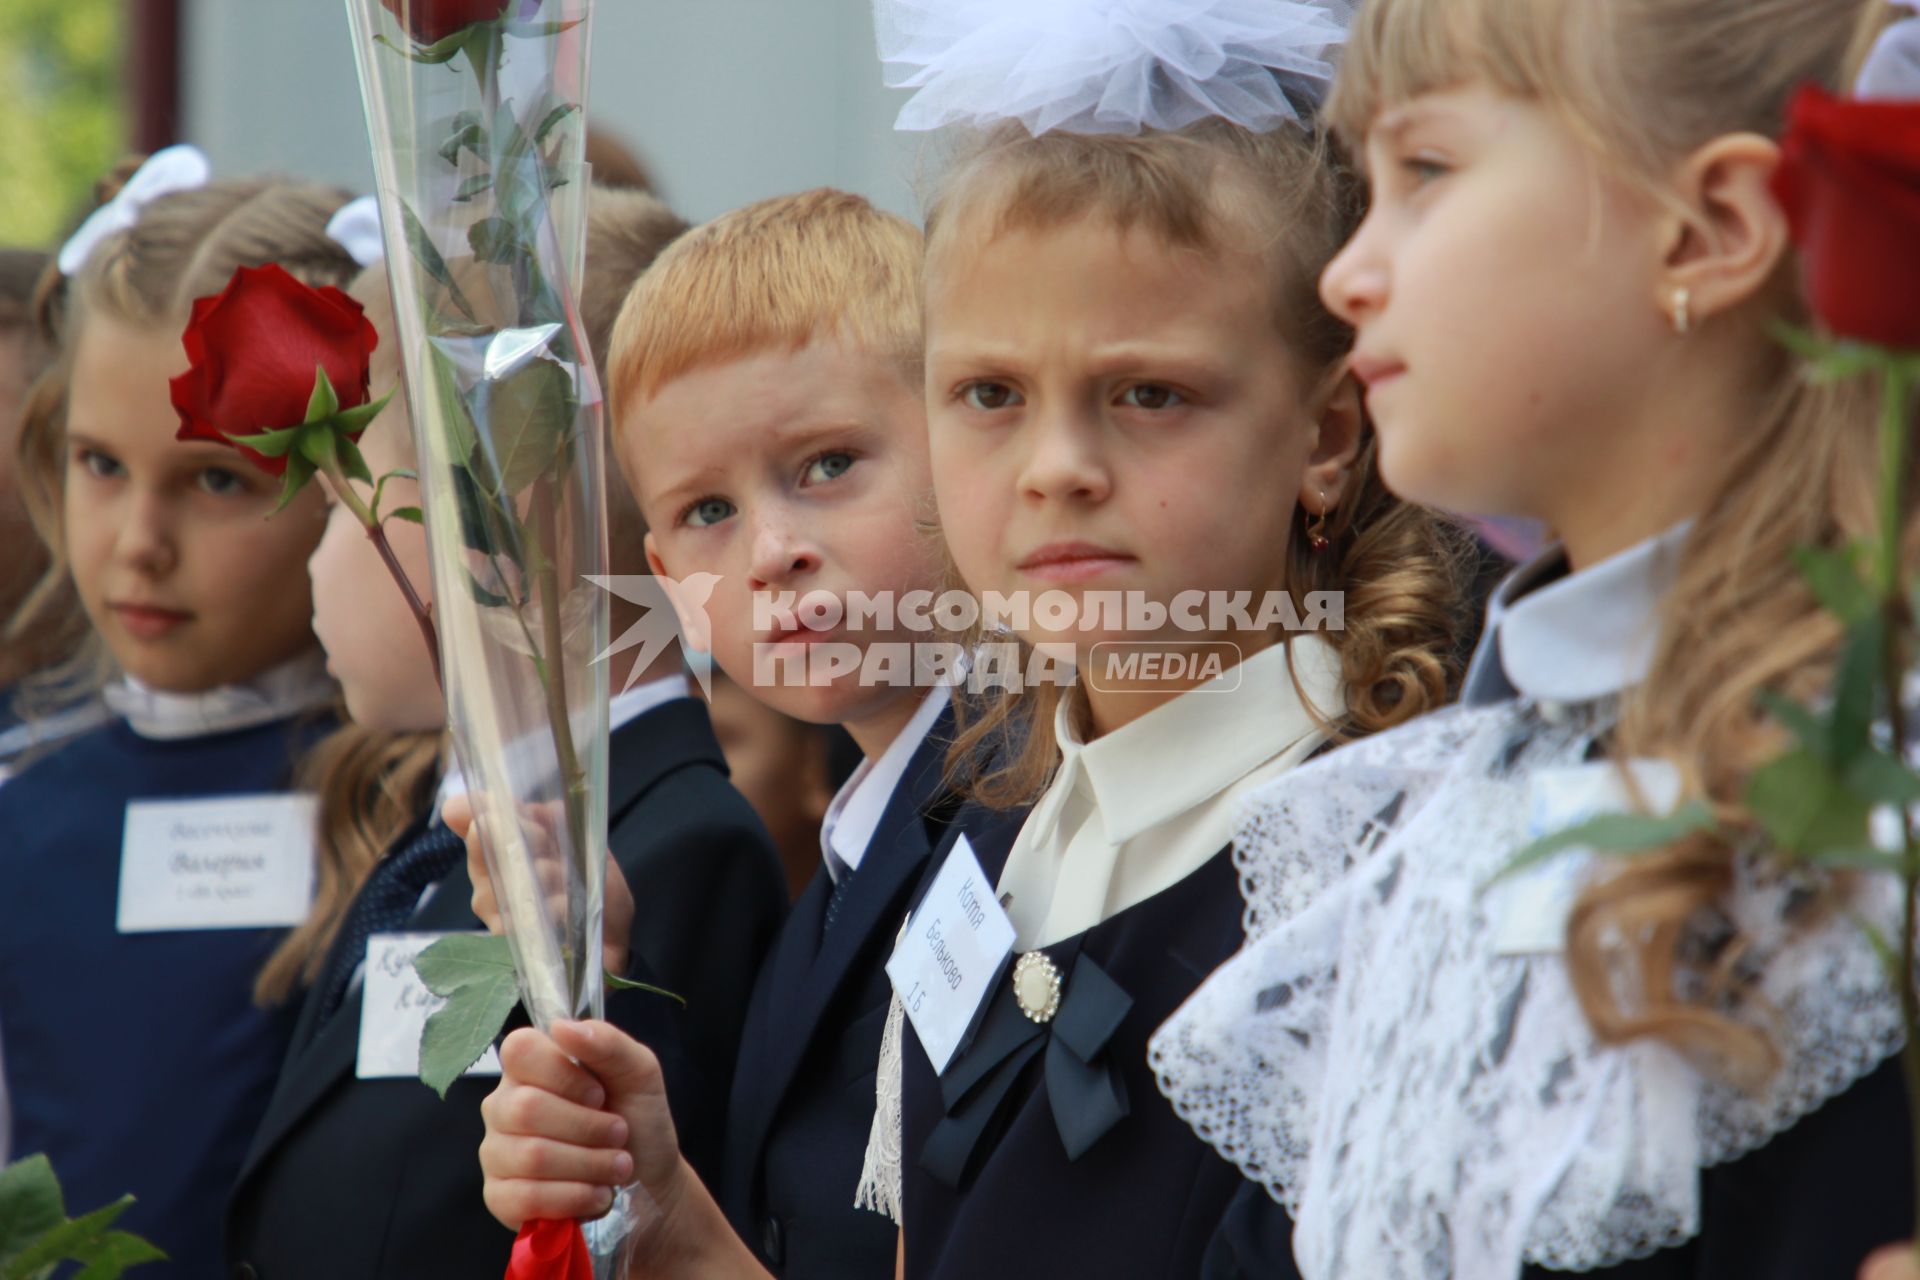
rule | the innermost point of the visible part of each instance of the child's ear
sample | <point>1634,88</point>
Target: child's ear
<point>1342,423</point>
<point>1725,243</point>
<point>695,629</point>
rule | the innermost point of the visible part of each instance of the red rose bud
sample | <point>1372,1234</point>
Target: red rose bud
<point>1849,179</point>
<point>548,1250</point>
<point>253,349</point>
<point>431,21</point>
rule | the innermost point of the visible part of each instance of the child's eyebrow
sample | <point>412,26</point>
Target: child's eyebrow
<point>1395,121</point>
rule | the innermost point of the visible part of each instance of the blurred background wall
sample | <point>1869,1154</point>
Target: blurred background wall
<point>724,101</point>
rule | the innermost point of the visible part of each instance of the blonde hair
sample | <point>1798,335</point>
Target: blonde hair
<point>771,276</point>
<point>1286,197</point>
<point>1645,83</point>
<point>372,783</point>
<point>184,246</point>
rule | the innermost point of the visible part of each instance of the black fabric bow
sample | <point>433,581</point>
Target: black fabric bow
<point>1084,1088</point>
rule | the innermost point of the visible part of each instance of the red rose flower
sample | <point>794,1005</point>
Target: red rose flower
<point>1849,179</point>
<point>253,350</point>
<point>549,1250</point>
<point>431,21</point>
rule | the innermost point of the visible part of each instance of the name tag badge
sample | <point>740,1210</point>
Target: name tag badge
<point>1530,909</point>
<point>951,953</point>
<point>394,1008</point>
<point>239,862</point>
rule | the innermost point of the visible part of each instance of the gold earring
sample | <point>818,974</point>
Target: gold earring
<point>1317,538</point>
<point>1682,310</point>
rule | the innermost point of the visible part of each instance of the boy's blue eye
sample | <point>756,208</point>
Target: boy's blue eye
<point>989,396</point>
<point>1150,395</point>
<point>708,511</point>
<point>222,481</point>
<point>828,466</point>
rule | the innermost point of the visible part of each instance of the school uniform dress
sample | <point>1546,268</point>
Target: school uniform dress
<point>803,1093</point>
<point>1397,1054</point>
<point>1043,1148</point>
<point>378,1178</point>
<point>137,1062</point>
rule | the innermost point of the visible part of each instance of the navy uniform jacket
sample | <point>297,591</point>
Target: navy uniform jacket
<point>1810,1205</point>
<point>379,1179</point>
<point>803,1094</point>
<point>136,1062</point>
<point>1144,1196</point>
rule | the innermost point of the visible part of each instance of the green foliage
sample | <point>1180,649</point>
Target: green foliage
<point>474,973</point>
<point>63,115</point>
<point>36,1235</point>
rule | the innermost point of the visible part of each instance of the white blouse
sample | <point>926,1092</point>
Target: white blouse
<point>1131,814</point>
<point>1427,1098</point>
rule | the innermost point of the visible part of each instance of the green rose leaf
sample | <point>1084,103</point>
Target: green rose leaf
<point>552,120</point>
<point>1613,833</point>
<point>494,240</point>
<point>1806,727</point>
<point>472,187</point>
<point>532,416</point>
<point>1850,726</point>
<point>481,596</point>
<point>421,245</point>
<point>1882,778</point>
<point>474,973</point>
<point>412,515</point>
<point>1836,576</point>
<point>1805,806</point>
<point>30,1205</point>
<point>469,133</point>
<point>116,1251</point>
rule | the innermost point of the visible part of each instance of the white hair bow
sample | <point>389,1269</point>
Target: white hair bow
<point>1108,66</point>
<point>1892,69</point>
<point>356,228</point>
<point>177,168</point>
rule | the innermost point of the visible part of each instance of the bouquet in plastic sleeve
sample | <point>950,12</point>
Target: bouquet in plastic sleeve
<point>474,110</point>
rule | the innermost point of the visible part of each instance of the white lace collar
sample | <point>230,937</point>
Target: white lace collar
<point>300,684</point>
<point>1570,638</point>
<point>1369,1049</point>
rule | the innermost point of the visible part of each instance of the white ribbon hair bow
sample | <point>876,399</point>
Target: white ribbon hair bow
<point>182,167</point>
<point>1108,66</point>
<point>356,228</point>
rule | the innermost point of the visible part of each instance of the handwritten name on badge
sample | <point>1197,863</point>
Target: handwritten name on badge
<point>951,954</point>
<point>237,862</point>
<point>1530,910</point>
<point>394,1008</point>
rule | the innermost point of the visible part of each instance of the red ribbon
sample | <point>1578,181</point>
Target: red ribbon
<point>549,1250</point>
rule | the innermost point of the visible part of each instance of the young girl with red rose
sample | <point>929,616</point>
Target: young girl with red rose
<point>1670,1065</point>
<point>153,864</point>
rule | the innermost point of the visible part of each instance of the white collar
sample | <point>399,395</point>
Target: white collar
<point>1559,637</point>
<point>862,800</point>
<point>630,705</point>
<point>300,684</point>
<point>1187,750</point>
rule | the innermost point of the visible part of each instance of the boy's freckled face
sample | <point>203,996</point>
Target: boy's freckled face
<point>788,471</point>
<point>187,576</point>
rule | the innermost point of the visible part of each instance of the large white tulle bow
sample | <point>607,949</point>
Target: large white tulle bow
<point>355,227</point>
<point>1108,66</point>
<point>1892,69</point>
<point>170,169</point>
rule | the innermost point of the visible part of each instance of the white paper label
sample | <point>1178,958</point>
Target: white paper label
<point>239,862</point>
<point>394,1008</point>
<point>950,955</point>
<point>1530,909</point>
